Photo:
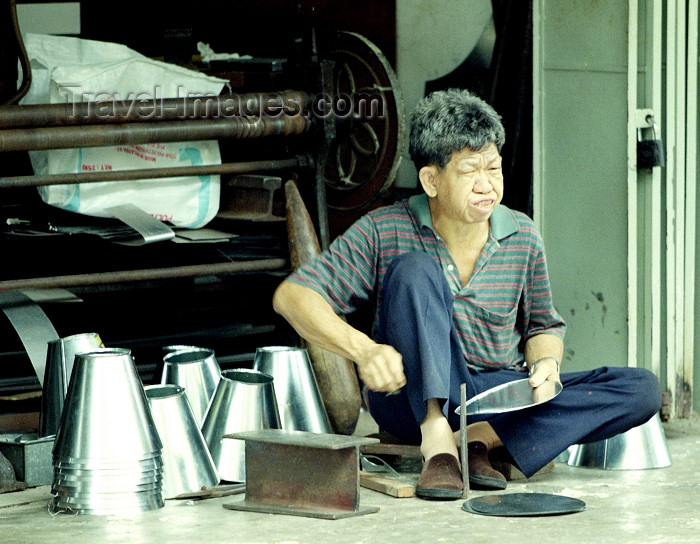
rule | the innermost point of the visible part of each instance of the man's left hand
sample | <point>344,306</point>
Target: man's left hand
<point>547,369</point>
<point>543,379</point>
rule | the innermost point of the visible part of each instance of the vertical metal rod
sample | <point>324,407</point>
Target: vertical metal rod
<point>322,206</point>
<point>670,201</point>
<point>679,204</point>
<point>632,184</point>
<point>676,205</point>
<point>691,173</point>
<point>326,82</point>
<point>657,242</point>
<point>464,454</point>
<point>537,114</point>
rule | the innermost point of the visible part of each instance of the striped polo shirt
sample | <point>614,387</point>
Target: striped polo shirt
<point>507,300</point>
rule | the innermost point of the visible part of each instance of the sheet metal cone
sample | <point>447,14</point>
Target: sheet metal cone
<point>188,465</point>
<point>641,447</point>
<point>98,505</point>
<point>106,483</point>
<point>244,401</point>
<point>106,418</point>
<point>58,506</point>
<point>72,486</point>
<point>146,461</point>
<point>298,396</point>
<point>94,474</point>
<point>60,355</point>
<point>158,371</point>
<point>112,472</point>
<point>179,347</point>
<point>86,489</point>
<point>197,370</point>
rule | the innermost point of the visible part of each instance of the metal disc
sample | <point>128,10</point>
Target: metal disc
<point>368,110</point>
<point>511,396</point>
<point>523,504</point>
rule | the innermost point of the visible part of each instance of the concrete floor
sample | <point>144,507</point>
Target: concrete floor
<point>640,506</point>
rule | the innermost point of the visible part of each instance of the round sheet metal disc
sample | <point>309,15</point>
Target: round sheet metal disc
<point>511,396</point>
<point>523,504</point>
<point>369,122</point>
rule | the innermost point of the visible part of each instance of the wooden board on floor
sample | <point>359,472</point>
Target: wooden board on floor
<point>401,450</point>
<point>388,486</point>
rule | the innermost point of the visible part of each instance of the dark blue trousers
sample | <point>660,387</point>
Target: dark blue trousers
<point>416,318</point>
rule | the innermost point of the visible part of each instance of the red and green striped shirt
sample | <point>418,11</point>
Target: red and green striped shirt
<point>507,300</point>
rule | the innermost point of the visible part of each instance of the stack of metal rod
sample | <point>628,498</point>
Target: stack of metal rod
<point>95,124</point>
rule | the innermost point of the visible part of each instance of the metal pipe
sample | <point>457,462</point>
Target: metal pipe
<point>691,169</point>
<point>632,184</point>
<point>136,109</point>
<point>28,139</point>
<point>101,278</point>
<point>300,161</point>
<point>654,318</point>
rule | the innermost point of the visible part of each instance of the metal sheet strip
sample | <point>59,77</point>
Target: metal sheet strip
<point>149,228</point>
<point>32,325</point>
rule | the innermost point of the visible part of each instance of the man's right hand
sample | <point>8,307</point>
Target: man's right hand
<point>381,369</point>
<point>379,366</point>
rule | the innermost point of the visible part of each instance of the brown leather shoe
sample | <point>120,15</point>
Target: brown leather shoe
<point>481,474</point>
<point>441,478</point>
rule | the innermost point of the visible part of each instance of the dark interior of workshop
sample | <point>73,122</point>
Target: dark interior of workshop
<point>164,168</point>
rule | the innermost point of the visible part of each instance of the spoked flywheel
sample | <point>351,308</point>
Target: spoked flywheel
<point>365,153</point>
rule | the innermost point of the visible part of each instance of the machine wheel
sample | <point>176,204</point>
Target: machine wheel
<point>365,153</point>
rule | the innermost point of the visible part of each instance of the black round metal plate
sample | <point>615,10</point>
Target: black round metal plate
<point>523,504</point>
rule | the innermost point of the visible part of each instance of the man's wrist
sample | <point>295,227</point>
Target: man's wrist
<point>534,364</point>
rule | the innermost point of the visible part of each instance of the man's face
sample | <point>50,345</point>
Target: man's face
<point>470,186</point>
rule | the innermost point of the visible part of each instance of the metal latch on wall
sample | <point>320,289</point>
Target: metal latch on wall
<point>650,151</point>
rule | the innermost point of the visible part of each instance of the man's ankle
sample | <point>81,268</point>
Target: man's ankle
<point>484,433</point>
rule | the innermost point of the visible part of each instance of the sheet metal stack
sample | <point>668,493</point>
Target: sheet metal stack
<point>107,456</point>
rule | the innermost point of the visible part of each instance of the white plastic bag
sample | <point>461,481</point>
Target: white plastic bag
<point>71,70</point>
